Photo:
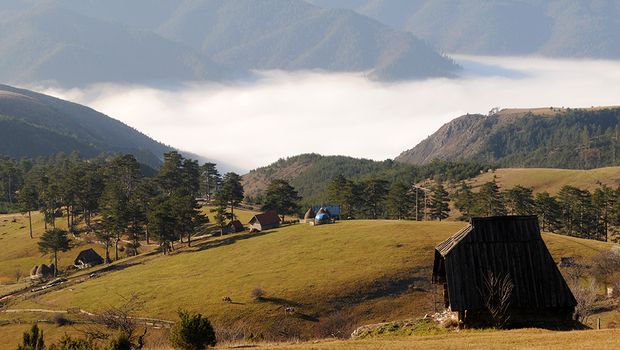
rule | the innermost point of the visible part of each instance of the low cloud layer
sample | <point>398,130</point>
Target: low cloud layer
<point>282,114</point>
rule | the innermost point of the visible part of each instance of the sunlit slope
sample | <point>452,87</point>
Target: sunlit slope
<point>370,270</point>
<point>551,180</point>
<point>20,253</point>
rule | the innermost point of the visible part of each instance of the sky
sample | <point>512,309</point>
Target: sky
<point>252,124</point>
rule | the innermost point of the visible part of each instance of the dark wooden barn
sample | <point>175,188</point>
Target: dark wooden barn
<point>509,247</point>
<point>265,221</point>
<point>234,226</point>
<point>87,258</point>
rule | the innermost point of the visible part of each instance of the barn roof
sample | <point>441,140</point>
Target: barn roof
<point>236,224</point>
<point>267,218</point>
<point>502,245</point>
<point>89,256</point>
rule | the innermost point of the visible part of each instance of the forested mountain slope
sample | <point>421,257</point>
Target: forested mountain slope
<point>556,138</point>
<point>563,28</point>
<point>33,124</point>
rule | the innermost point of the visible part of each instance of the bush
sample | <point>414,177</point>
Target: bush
<point>33,339</point>
<point>192,332</point>
<point>120,342</point>
<point>258,294</point>
<point>60,320</point>
<point>68,343</point>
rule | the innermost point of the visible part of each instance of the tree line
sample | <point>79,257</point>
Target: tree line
<point>112,196</point>
<point>572,211</point>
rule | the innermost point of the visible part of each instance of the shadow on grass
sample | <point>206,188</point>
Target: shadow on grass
<point>231,240</point>
<point>281,301</point>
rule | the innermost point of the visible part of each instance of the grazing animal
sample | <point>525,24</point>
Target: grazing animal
<point>227,300</point>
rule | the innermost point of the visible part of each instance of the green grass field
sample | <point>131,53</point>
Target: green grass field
<point>370,271</point>
<point>20,253</point>
<point>551,180</point>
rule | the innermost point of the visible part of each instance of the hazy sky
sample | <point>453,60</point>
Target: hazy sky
<point>283,114</point>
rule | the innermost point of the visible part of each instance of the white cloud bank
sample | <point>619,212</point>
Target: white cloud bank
<point>283,114</point>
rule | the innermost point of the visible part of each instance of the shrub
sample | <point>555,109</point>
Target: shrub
<point>68,343</point>
<point>121,341</point>
<point>33,339</point>
<point>60,320</point>
<point>192,332</point>
<point>258,294</point>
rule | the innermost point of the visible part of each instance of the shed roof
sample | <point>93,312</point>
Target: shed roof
<point>89,256</point>
<point>502,245</point>
<point>267,218</point>
<point>309,214</point>
<point>236,224</point>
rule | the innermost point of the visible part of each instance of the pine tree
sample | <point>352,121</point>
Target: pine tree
<point>232,190</point>
<point>439,202</point>
<point>399,200</point>
<point>375,192</point>
<point>54,241</point>
<point>548,210</point>
<point>281,197</point>
<point>464,200</point>
<point>490,201</point>
<point>520,200</point>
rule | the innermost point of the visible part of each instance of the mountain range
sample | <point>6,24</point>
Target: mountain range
<point>78,42</point>
<point>558,28</point>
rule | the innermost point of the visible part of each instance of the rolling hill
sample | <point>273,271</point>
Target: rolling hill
<point>33,124</point>
<point>74,42</point>
<point>544,137</point>
<point>561,28</point>
<point>369,271</point>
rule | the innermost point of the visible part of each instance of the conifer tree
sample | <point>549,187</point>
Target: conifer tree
<point>439,202</point>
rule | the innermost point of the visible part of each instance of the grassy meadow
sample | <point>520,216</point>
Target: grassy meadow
<point>369,271</point>
<point>20,253</point>
<point>551,180</point>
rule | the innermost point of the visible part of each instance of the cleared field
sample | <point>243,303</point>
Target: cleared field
<point>20,253</point>
<point>551,180</point>
<point>370,271</point>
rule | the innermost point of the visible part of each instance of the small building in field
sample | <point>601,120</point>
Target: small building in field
<point>265,221</point>
<point>333,210</point>
<point>323,216</point>
<point>234,226</point>
<point>308,217</point>
<point>88,258</point>
<point>502,248</point>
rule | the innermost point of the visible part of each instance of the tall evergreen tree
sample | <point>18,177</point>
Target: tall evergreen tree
<point>490,201</point>
<point>439,202</point>
<point>28,201</point>
<point>54,241</point>
<point>375,193</point>
<point>399,200</point>
<point>464,200</point>
<point>281,197</point>
<point>232,190</point>
<point>548,210</point>
<point>520,200</point>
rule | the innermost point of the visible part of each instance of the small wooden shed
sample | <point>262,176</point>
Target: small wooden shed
<point>265,221</point>
<point>87,258</point>
<point>503,246</point>
<point>234,226</point>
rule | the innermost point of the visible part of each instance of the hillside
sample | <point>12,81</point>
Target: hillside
<point>33,124</point>
<point>562,28</point>
<point>551,137</point>
<point>310,268</point>
<point>551,180</point>
<point>200,40</point>
<point>44,42</point>
<point>311,173</point>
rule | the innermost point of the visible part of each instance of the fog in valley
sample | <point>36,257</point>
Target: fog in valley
<point>251,124</point>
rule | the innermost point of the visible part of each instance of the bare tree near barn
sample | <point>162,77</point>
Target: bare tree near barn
<point>496,292</point>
